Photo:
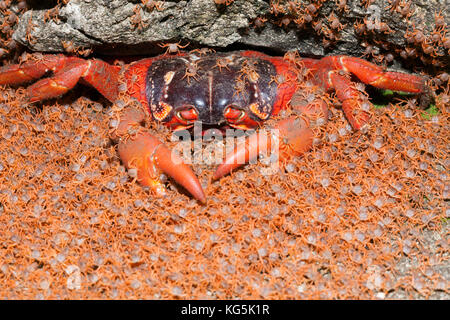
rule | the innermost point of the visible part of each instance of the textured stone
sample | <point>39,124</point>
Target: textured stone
<point>103,24</point>
<point>111,27</point>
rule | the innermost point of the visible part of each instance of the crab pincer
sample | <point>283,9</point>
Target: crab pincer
<point>294,135</point>
<point>151,157</point>
<point>290,137</point>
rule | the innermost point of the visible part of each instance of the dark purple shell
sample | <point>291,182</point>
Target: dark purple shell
<point>216,81</point>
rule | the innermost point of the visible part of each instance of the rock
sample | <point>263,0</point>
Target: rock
<point>124,27</point>
<point>112,26</point>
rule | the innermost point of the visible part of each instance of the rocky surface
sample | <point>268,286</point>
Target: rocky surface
<point>112,26</point>
<point>130,27</point>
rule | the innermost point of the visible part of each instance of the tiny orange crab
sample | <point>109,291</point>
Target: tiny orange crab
<point>173,48</point>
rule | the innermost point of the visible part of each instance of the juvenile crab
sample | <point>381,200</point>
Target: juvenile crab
<point>240,89</point>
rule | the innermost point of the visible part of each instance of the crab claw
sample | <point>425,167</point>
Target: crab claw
<point>295,138</point>
<point>151,157</point>
<point>243,153</point>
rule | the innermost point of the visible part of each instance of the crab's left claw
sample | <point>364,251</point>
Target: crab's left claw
<point>291,137</point>
<point>150,157</point>
<point>294,137</point>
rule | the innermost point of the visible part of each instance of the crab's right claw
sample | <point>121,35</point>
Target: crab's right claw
<point>151,157</point>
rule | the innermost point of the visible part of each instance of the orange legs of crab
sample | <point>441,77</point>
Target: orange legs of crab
<point>334,72</point>
<point>67,71</point>
<point>151,157</point>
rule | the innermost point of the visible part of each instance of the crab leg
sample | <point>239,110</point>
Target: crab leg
<point>67,71</point>
<point>367,73</point>
<point>374,75</point>
<point>151,157</point>
<point>352,100</point>
<point>21,73</point>
<point>333,73</point>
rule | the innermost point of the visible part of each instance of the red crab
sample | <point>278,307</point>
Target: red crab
<point>238,89</point>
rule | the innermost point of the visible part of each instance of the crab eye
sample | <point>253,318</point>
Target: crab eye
<point>233,114</point>
<point>188,114</point>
